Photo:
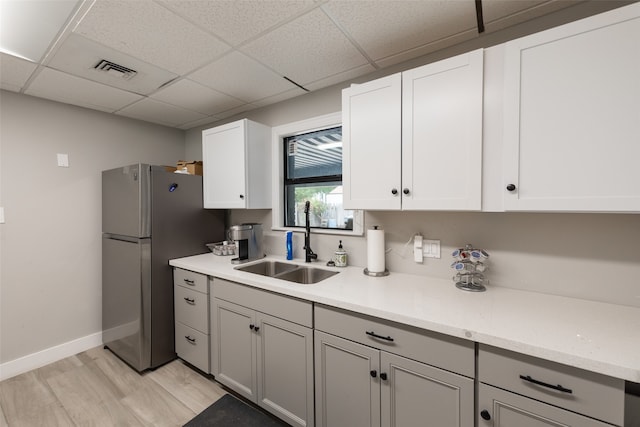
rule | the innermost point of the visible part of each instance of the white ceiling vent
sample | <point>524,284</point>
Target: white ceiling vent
<point>115,70</point>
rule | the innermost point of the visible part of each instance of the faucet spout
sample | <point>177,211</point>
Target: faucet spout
<point>308,253</point>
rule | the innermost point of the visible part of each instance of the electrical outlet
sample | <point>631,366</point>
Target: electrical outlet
<point>63,160</point>
<point>431,248</point>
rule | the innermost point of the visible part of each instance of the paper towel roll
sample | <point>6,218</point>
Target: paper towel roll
<point>375,250</point>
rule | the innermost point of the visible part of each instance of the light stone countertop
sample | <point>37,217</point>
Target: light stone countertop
<point>599,337</point>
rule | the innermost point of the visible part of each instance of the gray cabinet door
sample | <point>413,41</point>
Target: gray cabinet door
<point>233,347</point>
<point>347,383</point>
<point>285,369</point>
<point>417,394</point>
<point>505,409</point>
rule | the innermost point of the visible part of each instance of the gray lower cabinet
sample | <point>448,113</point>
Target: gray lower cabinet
<point>505,409</point>
<point>525,391</point>
<point>191,309</point>
<point>262,349</point>
<point>369,385</point>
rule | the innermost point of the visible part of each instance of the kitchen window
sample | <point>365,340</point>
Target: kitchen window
<point>310,169</point>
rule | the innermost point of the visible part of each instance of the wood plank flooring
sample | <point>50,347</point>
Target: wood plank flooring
<point>95,388</point>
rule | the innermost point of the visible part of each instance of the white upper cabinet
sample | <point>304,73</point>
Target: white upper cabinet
<point>572,116</point>
<point>413,140</point>
<point>442,134</point>
<point>237,166</point>
<point>372,144</point>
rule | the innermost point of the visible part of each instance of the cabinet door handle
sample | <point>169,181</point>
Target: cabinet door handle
<point>543,384</point>
<point>485,415</point>
<point>383,376</point>
<point>394,191</point>
<point>374,335</point>
<point>256,328</point>
<point>189,282</point>
<point>190,300</point>
<point>242,196</point>
<point>511,187</point>
<point>191,340</point>
<point>251,326</point>
<point>373,373</point>
<point>405,191</point>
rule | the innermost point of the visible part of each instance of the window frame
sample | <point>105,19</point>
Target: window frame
<point>278,134</point>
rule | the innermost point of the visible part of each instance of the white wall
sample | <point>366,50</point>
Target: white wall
<point>50,259</point>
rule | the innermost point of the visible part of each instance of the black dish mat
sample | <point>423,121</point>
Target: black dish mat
<point>229,411</point>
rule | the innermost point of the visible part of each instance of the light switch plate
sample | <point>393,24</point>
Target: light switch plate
<point>63,160</point>
<point>431,248</point>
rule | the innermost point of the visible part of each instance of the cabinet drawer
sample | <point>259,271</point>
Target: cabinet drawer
<point>287,308</point>
<point>190,280</point>
<point>442,351</point>
<point>585,392</point>
<point>192,308</point>
<point>192,346</point>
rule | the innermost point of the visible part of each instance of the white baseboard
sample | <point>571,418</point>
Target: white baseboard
<point>49,355</point>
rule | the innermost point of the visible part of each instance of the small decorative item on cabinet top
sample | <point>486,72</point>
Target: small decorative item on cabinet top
<point>469,264</point>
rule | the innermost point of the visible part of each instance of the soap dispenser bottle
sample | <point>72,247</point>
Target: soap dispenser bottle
<point>289,245</point>
<point>340,256</point>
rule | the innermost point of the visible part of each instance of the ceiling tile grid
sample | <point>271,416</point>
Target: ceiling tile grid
<point>200,61</point>
<point>59,86</point>
<point>146,30</point>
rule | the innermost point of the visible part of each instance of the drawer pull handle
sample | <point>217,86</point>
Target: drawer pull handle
<point>190,300</point>
<point>189,282</point>
<point>543,384</point>
<point>191,340</point>
<point>374,335</point>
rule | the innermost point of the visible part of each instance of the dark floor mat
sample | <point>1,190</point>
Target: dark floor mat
<point>229,411</point>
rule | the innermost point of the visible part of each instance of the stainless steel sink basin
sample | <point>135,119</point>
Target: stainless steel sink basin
<point>290,272</point>
<point>268,268</point>
<point>307,275</point>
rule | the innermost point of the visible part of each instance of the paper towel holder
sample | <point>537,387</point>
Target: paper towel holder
<point>374,274</point>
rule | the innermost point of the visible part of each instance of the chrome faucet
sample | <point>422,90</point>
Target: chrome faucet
<point>308,253</point>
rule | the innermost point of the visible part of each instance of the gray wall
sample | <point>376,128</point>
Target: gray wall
<point>50,259</point>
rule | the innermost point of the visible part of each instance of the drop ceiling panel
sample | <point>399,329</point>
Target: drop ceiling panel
<point>62,87</point>
<point>384,29</point>
<point>195,97</point>
<point>27,28</point>
<point>307,49</point>
<point>500,14</point>
<point>14,72</point>
<point>292,93</point>
<point>237,21</point>
<point>148,31</point>
<point>78,55</point>
<point>159,112</point>
<point>241,76</point>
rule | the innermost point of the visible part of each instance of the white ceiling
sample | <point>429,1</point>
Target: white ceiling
<point>200,61</point>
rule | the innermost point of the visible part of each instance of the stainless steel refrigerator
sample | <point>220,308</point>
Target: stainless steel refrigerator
<point>148,217</point>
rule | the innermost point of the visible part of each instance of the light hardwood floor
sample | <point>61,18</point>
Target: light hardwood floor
<point>95,388</point>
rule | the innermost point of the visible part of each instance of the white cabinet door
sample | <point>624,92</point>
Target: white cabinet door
<point>233,347</point>
<point>224,166</point>
<point>572,116</point>
<point>413,392</point>
<point>285,369</point>
<point>499,408</point>
<point>371,153</point>
<point>347,387</point>
<point>442,134</point>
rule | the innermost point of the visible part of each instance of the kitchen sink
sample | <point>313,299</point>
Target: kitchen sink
<point>307,275</point>
<point>289,272</point>
<point>268,268</point>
